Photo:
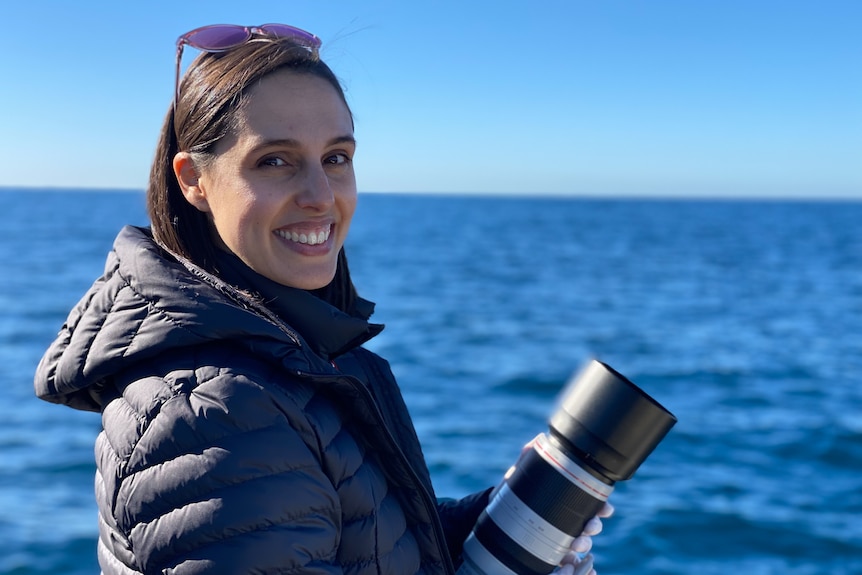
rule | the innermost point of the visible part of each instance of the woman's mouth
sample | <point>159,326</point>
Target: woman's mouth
<point>309,237</point>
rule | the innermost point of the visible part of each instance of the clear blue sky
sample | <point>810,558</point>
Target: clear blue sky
<point>595,97</point>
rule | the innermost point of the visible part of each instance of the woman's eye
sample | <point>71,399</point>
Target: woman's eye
<point>337,159</point>
<point>273,161</point>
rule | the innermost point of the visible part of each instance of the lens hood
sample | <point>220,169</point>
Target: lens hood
<point>607,422</point>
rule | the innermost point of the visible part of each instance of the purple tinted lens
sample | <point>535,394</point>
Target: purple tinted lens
<point>220,37</point>
<point>285,31</point>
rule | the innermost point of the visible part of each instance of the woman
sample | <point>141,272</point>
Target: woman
<point>245,429</point>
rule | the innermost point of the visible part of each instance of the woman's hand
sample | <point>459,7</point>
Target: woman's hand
<point>577,566</point>
<point>575,562</point>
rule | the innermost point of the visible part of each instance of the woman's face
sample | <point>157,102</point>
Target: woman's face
<point>281,191</point>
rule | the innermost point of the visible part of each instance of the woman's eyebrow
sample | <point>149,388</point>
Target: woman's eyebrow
<point>292,143</point>
<point>343,140</point>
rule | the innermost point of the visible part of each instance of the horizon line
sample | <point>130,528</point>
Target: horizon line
<point>506,194</point>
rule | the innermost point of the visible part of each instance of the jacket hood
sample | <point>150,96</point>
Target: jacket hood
<point>148,302</point>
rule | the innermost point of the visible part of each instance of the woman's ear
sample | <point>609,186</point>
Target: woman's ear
<point>188,177</point>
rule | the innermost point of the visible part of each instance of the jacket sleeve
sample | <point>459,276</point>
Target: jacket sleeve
<point>458,517</point>
<point>220,475</point>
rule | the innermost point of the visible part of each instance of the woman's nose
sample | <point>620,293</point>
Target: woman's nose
<point>316,193</point>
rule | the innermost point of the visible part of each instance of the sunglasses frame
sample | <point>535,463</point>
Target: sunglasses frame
<point>303,38</point>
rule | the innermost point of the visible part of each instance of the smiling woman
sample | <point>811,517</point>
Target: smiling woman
<point>279,190</point>
<point>245,428</point>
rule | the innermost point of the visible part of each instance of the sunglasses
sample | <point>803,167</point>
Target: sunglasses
<point>223,37</point>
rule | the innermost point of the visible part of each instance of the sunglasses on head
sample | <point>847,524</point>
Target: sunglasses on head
<point>223,37</point>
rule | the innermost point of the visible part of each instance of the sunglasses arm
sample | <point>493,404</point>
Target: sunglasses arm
<point>180,43</point>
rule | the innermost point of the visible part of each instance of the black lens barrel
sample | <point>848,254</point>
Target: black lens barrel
<point>508,552</point>
<point>557,501</point>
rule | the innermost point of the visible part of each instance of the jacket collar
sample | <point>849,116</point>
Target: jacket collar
<point>327,330</point>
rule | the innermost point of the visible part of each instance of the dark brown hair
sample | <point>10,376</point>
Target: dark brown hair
<point>212,93</point>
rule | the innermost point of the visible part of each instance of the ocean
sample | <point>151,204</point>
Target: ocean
<point>742,317</point>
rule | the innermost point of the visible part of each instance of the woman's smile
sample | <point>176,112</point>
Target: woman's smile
<point>314,235</point>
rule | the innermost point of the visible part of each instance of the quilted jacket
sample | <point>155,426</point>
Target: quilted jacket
<point>234,442</point>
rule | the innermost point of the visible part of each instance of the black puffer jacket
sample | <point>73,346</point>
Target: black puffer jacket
<point>231,443</point>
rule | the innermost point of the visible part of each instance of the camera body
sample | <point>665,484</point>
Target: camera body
<point>603,429</point>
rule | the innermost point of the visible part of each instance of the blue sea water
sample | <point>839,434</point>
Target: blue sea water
<point>744,318</point>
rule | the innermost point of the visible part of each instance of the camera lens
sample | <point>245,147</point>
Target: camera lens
<point>603,429</point>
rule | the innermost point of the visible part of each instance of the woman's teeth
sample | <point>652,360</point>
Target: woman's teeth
<point>311,239</point>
